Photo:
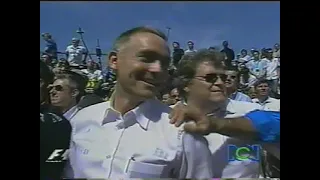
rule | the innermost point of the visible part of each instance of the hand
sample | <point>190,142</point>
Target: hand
<point>199,124</point>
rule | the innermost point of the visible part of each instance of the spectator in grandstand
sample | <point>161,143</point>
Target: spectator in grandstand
<point>229,53</point>
<point>252,93</point>
<point>276,51</point>
<point>95,77</point>
<point>190,49</point>
<point>51,46</point>
<point>272,72</point>
<point>263,53</point>
<point>244,56</point>
<point>177,53</point>
<point>172,97</point>
<point>203,86</point>
<point>66,91</point>
<point>141,58</point>
<point>75,52</point>
<point>47,60</point>
<point>232,85</point>
<point>61,66</point>
<point>267,103</point>
<point>257,68</point>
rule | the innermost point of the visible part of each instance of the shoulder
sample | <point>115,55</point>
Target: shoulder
<point>242,107</point>
<point>93,113</point>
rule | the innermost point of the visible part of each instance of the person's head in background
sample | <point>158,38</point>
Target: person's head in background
<point>244,53</point>
<point>176,45</point>
<point>256,55</point>
<point>141,58</point>
<point>190,45</point>
<point>61,66</point>
<point>276,46</point>
<point>202,80</point>
<point>46,59</point>
<point>97,66</point>
<point>232,80</point>
<point>269,53</point>
<point>67,90</point>
<point>225,44</point>
<point>75,42</point>
<point>46,78</point>
<point>46,36</point>
<point>252,93</point>
<point>91,65</point>
<point>262,89</point>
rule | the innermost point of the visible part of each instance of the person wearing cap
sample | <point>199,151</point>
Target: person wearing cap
<point>75,52</point>
<point>129,136</point>
<point>51,46</point>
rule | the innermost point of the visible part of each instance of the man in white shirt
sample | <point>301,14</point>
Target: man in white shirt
<point>190,49</point>
<point>272,72</point>
<point>75,52</point>
<point>129,136</point>
<point>267,103</point>
<point>244,56</point>
<point>202,83</point>
<point>257,68</point>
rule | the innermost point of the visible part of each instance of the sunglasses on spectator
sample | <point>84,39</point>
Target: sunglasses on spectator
<point>231,76</point>
<point>212,78</point>
<point>56,87</point>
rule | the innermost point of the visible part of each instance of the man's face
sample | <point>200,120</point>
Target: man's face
<point>61,94</point>
<point>190,45</point>
<point>142,64</point>
<point>243,53</point>
<point>174,95</point>
<point>75,42</point>
<point>256,55</point>
<point>90,65</point>
<point>225,44</point>
<point>175,45</point>
<point>262,89</point>
<point>232,80</point>
<point>208,84</point>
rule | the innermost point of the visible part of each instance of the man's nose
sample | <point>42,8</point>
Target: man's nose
<point>155,66</point>
<point>219,81</point>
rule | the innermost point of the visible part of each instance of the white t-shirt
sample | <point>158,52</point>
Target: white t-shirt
<point>272,67</point>
<point>75,54</point>
<point>93,75</point>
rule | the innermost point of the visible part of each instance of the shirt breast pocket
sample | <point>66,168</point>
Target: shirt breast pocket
<point>145,170</point>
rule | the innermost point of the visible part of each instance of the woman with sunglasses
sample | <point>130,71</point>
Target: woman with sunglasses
<point>55,132</point>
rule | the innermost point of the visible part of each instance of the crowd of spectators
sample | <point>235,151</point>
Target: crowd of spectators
<point>246,67</point>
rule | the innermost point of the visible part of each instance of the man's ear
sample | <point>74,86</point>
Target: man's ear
<point>113,59</point>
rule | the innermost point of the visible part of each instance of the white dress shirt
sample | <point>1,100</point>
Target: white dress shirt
<point>139,144</point>
<point>219,146</point>
<point>270,104</point>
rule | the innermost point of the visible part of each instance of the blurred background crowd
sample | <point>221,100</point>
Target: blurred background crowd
<point>253,74</point>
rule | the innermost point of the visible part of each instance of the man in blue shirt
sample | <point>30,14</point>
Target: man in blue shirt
<point>51,46</point>
<point>232,84</point>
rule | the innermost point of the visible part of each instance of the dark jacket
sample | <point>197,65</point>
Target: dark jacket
<point>55,134</point>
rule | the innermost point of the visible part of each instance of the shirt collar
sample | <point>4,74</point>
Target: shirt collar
<point>138,113</point>
<point>70,113</point>
<point>256,100</point>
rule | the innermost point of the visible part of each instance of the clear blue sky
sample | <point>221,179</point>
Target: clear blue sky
<point>243,24</point>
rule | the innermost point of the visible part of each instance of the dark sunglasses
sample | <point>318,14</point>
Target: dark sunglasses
<point>56,87</point>
<point>231,76</point>
<point>212,78</point>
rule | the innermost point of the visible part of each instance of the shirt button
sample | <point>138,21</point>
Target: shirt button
<point>108,156</point>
